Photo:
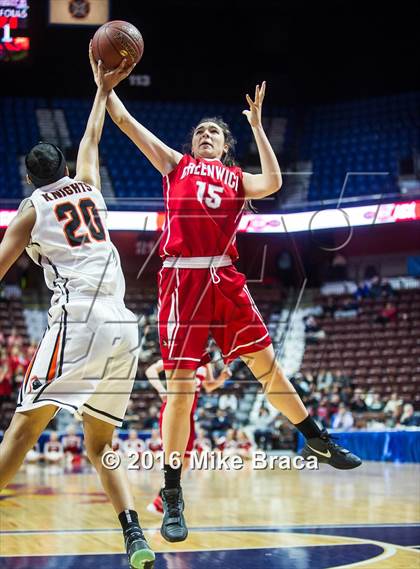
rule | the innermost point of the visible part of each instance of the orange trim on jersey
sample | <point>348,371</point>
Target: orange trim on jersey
<point>52,370</point>
<point>28,371</point>
<point>68,219</point>
<point>91,209</point>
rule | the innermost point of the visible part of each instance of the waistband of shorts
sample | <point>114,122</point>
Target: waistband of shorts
<point>74,299</point>
<point>197,262</point>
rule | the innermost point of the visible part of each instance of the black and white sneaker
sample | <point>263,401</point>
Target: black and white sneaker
<point>140,556</point>
<point>326,450</point>
<point>173,527</point>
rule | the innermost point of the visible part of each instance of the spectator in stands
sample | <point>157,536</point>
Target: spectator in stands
<point>227,443</point>
<point>343,419</point>
<point>220,424</point>
<point>376,403</point>
<point>408,418</point>
<point>348,308</point>
<point>362,291</point>
<point>228,402</point>
<point>394,419</point>
<point>313,331</point>
<point>72,446</point>
<point>244,445</point>
<point>375,288</point>
<point>154,444</point>
<point>18,377</point>
<point>393,403</point>
<point>324,379</point>
<point>131,416</point>
<point>304,384</point>
<point>387,314</point>
<point>202,443</point>
<point>346,394</point>
<point>5,383</point>
<point>203,418</point>
<point>133,444</point>
<point>263,429</point>
<point>152,421</point>
<point>14,339</point>
<point>319,415</point>
<point>334,402</point>
<point>329,308</point>
<point>30,351</point>
<point>387,290</point>
<point>358,404</point>
<point>309,379</point>
<point>17,358</point>
<point>34,455</point>
<point>341,378</point>
<point>117,443</point>
<point>53,449</point>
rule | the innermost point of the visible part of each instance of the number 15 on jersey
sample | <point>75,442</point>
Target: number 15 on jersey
<point>209,194</point>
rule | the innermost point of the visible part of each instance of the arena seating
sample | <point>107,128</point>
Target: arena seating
<point>385,357</point>
<point>12,317</point>
<point>359,136</point>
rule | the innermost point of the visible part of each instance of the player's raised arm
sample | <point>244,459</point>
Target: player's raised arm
<point>270,180</point>
<point>161,156</point>
<point>17,237</point>
<point>87,168</point>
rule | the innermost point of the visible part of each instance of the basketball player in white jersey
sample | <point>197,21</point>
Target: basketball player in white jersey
<point>87,359</point>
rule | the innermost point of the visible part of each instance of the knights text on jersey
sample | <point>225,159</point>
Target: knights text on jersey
<point>70,240</point>
<point>204,201</point>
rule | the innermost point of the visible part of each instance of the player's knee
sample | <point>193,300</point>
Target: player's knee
<point>96,448</point>
<point>180,402</point>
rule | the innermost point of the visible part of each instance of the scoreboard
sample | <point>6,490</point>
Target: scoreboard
<point>14,30</point>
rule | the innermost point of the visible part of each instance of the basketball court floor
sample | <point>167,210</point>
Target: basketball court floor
<point>238,520</point>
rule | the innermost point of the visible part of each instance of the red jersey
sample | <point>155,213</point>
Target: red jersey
<point>204,200</point>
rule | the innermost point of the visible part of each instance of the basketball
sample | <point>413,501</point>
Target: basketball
<point>116,40</point>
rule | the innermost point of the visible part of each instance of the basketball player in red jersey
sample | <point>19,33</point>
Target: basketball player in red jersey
<point>62,374</point>
<point>203,379</point>
<point>200,290</point>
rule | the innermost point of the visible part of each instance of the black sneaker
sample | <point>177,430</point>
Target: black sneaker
<point>140,556</point>
<point>326,450</point>
<point>173,525</point>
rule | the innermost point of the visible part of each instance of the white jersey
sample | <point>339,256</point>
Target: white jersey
<point>70,241</point>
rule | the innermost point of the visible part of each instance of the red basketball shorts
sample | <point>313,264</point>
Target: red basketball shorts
<point>191,438</point>
<point>196,302</point>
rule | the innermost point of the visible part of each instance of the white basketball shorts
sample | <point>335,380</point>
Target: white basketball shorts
<point>86,361</point>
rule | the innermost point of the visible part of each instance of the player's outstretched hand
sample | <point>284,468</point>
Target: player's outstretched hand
<point>254,113</point>
<point>107,80</point>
